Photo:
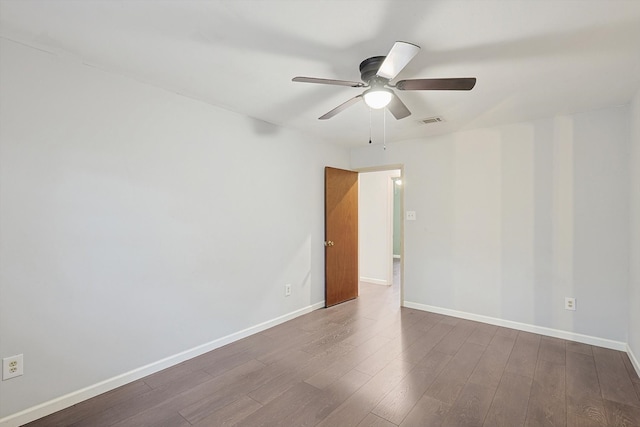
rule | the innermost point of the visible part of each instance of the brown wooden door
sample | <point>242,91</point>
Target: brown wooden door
<point>341,235</point>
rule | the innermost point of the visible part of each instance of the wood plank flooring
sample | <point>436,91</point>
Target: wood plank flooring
<point>369,362</point>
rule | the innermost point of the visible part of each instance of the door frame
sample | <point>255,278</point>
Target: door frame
<point>382,168</point>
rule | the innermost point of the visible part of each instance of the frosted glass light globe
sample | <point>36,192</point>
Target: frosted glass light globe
<point>377,98</point>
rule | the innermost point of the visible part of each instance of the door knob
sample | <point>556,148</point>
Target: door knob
<point>328,243</point>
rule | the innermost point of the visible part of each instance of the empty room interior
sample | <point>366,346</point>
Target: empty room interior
<point>168,244</point>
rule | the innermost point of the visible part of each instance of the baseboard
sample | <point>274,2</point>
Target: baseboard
<point>550,332</point>
<point>62,402</point>
<point>634,360</point>
<point>396,256</point>
<point>374,281</point>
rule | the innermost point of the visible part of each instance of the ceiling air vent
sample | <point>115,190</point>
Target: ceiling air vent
<point>430,120</point>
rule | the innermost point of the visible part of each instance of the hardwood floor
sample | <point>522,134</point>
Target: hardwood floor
<point>369,362</point>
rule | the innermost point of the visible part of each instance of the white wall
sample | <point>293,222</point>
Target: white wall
<point>512,219</point>
<point>136,223</point>
<point>634,194</point>
<point>375,214</point>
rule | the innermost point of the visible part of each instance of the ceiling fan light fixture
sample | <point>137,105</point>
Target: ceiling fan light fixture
<point>377,98</point>
<point>376,74</point>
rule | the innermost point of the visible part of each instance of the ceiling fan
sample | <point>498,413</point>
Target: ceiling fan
<point>376,73</point>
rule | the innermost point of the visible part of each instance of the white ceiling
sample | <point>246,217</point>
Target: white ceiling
<point>532,58</point>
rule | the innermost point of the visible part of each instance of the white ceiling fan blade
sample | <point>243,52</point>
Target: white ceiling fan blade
<point>398,58</point>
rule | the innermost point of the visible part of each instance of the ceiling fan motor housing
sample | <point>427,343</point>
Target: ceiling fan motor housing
<point>369,67</point>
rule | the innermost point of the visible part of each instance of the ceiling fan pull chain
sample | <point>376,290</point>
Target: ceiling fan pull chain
<point>384,130</point>
<point>369,125</point>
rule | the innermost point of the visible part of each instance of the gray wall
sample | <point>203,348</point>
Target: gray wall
<point>512,219</point>
<point>634,282</point>
<point>137,223</point>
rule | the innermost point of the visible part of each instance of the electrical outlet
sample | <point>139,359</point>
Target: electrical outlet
<point>12,367</point>
<point>570,303</point>
<point>411,215</point>
<point>287,290</point>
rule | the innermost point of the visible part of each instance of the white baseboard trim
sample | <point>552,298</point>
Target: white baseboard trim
<point>396,256</point>
<point>634,360</point>
<point>542,330</point>
<point>374,281</point>
<point>62,402</point>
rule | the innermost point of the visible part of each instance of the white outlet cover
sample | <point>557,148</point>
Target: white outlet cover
<point>411,215</point>
<point>12,367</point>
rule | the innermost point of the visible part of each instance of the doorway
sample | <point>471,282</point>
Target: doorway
<point>380,229</point>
